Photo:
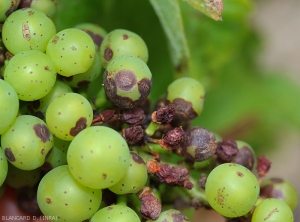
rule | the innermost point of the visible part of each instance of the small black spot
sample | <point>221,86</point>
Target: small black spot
<point>9,155</point>
<point>42,132</point>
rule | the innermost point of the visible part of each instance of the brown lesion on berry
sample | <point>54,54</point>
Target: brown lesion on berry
<point>9,155</point>
<point>108,53</point>
<point>240,174</point>
<point>48,201</point>
<point>42,132</point>
<point>55,39</point>
<point>96,37</point>
<point>136,158</point>
<point>73,48</point>
<point>13,6</point>
<point>179,217</point>
<point>125,80</point>
<point>80,125</point>
<point>184,110</point>
<point>26,31</point>
<point>125,36</point>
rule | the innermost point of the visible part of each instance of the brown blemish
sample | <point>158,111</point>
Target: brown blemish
<point>125,80</point>
<point>48,154</point>
<point>30,13</point>
<point>144,87</point>
<point>108,54</point>
<point>42,132</point>
<point>125,36</point>
<point>73,48</point>
<point>96,38</point>
<point>271,213</point>
<point>48,201</point>
<point>9,155</point>
<point>184,109</point>
<point>26,31</point>
<point>55,39</point>
<point>80,125</point>
<point>179,217</point>
<point>104,176</point>
<point>136,158</point>
<point>240,174</point>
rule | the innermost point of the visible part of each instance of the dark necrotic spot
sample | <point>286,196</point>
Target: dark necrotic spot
<point>48,154</point>
<point>48,201</point>
<point>9,155</point>
<point>125,80</point>
<point>42,132</point>
<point>104,176</point>
<point>184,109</point>
<point>96,37</point>
<point>136,158</point>
<point>240,174</point>
<point>144,87</point>
<point>179,217</point>
<point>108,54</point>
<point>125,36</point>
<point>80,125</point>
<point>83,83</point>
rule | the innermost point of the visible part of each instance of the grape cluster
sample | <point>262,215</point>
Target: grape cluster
<point>78,129</point>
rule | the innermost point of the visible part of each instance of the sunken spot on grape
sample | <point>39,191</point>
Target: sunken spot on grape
<point>9,155</point>
<point>73,48</point>
<point>80,125</point>
<point>240,174</point>
<point>108,54</point>
<point>125,36</point>
<point>104,176</point>
<point>55,39</point>
<point>42,132</point>
<point>48,201</point>
<point>26,31</point>
<point>96,37</point>
<point>125,80</point>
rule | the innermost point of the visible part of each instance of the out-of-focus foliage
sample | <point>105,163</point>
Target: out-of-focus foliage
<point>242,100</point>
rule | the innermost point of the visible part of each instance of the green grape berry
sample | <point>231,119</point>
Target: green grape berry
<point>9,106</point>
<point>170,215</point>
<point>3,167</point>
<point>84,79</point>
<point>122,42</point>
<point>188,96</point>
<point>134,179</point>
<point>98,157</point>
<point>96,32</point>
<point>46,6</point>
<point>60,195</point>
<point>231,189</point>
<point>27,143</point>
<point>272,210</point>
<point>39,107</point>
<point>58,155</point>
<point>127,82</point>
<point>118,212</point>
<point>27,29</point>
<point>7,7</point>
<point>72,51</point>
<point>68,114</point>
<point>31,73</point>
<point>17,178</point>
<point>280,189</point>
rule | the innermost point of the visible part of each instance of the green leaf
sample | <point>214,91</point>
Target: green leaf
<point>169,14</point>
<point>211,8</point>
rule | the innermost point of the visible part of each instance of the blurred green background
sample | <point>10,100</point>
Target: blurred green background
<point>243,101</point>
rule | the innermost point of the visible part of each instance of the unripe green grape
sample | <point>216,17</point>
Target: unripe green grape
<point>58,155</point>
<point>170,215</point>
<point>68,114</point>
<point>134,179</point>
<point>9,105</point>
<point>39,107</point>
<point>96,32</point>
<point>272,210</point>
<point>27,29</point>
<point>84,79</point>
<point>127,82</point>
<point>7,7</point>
<point>231,189</point>
<point>98,157</point>
<point>280,189</point>
<point>3,167</point>
<point>46,6</point>
<point>18,178</point>
<point>31,73</point>
<point>118,212</point>
<point>122,42</point>
<point>60,195</point>
<point>72,51</point>
<point>27,142</point>
<point>188,96</point>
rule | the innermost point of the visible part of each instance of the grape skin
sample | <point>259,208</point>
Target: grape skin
<point>272,210</point>
<point>231,189</point>
<point>9,105</point>
<point>98,157</point>
<point>3,167</point>
<point>59,194</point>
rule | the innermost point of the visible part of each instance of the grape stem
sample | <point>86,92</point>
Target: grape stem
<point>152,127</point>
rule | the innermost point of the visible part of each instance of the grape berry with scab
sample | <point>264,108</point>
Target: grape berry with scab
<point>115,154</point>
